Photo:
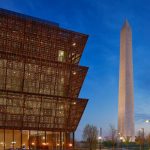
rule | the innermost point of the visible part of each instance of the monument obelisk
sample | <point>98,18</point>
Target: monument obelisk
<point>126,97</point>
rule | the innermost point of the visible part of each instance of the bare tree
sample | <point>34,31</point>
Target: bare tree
<point>139,139</point>
<point>113,134</point>
<point>148,140</point>
<point>90,135</point>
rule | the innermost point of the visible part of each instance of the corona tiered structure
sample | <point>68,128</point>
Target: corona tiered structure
<point>40,81</point>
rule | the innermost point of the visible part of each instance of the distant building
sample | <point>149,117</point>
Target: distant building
<point>126,96</point>
<point>40,81</point>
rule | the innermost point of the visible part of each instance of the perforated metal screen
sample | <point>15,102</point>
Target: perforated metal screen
<point>40,78</point>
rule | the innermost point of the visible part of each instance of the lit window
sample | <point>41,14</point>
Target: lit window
<point>74,44</point>
<point>74,72</point>
<point>62,80</point>
<point>61,55</point>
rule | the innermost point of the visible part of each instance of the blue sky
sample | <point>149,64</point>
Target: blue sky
<point>102,21</point>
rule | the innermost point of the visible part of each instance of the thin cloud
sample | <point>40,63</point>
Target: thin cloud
<point>141,117</point>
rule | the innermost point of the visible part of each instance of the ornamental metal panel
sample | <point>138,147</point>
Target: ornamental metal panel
<point>39,112</point>
<point>40,76</point>
<point>29,37</point>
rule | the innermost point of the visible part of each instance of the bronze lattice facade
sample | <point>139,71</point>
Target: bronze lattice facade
<point>40,81</point>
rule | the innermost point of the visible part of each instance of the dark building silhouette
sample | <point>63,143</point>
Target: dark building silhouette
<point>40,81</point>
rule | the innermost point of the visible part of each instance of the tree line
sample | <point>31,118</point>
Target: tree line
<point>91,137</point>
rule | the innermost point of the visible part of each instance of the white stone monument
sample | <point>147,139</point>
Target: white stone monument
<point>126,97</point>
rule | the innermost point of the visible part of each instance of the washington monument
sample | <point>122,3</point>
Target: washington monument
<point>126,97</point>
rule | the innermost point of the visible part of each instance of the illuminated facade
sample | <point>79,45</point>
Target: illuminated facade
<point>40,81</point>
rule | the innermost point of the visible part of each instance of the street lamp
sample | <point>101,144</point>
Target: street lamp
<point>118,138</point>
<point>121,139</point>
<point>147,121</point>
<point>100,138</point>
<point>142,129</point>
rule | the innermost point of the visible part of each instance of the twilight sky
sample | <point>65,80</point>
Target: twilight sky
<point>102,21</point>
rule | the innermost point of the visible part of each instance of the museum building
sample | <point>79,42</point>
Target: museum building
<point>40,82</point>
